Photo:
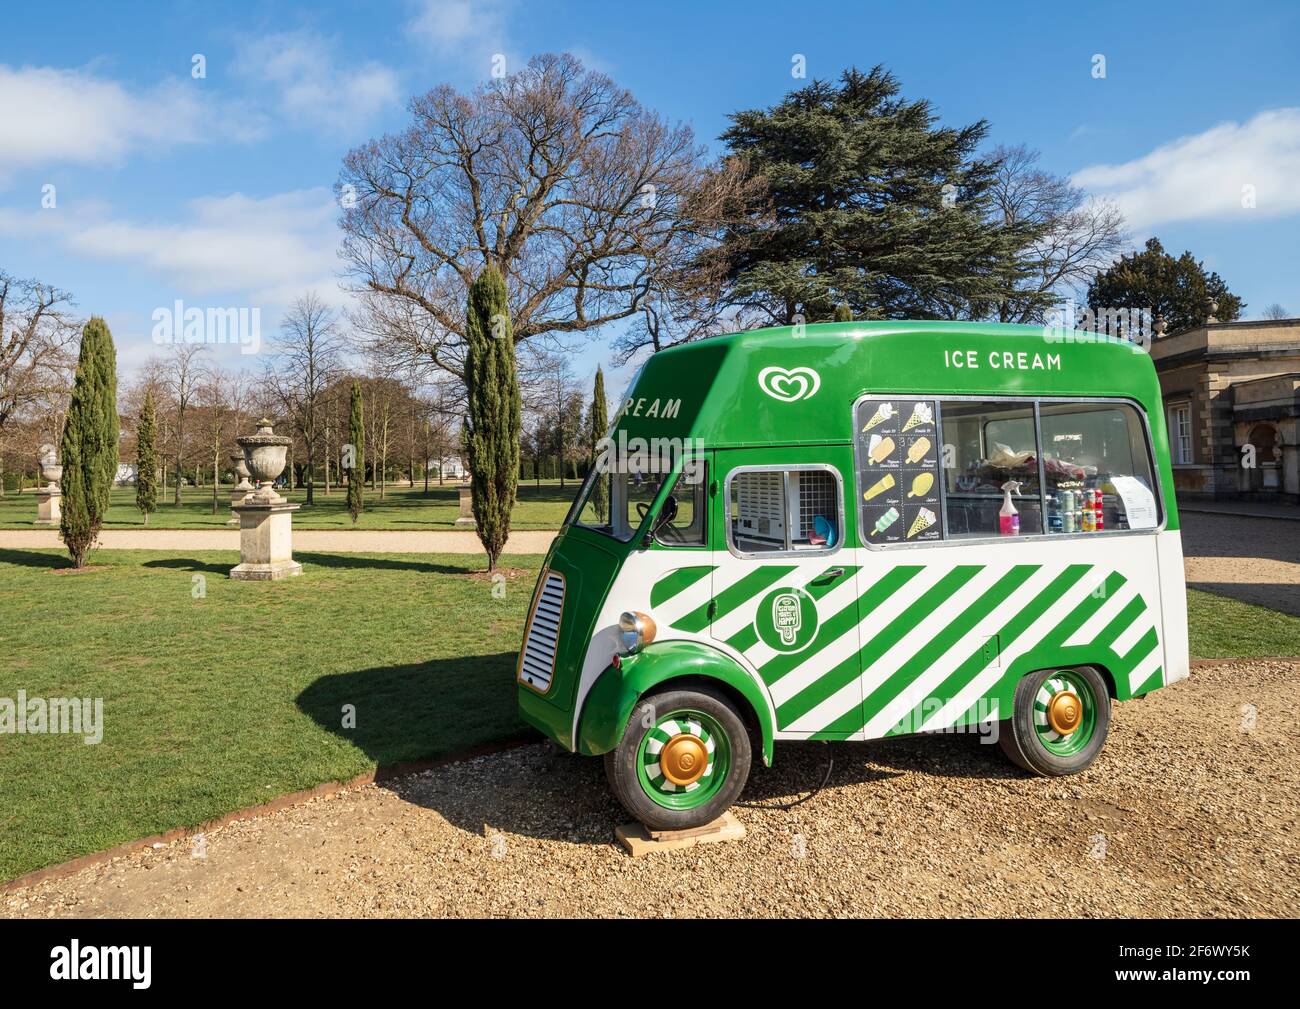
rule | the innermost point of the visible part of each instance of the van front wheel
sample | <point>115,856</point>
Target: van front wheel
<point>1060,721</point>
<point>683,760</point>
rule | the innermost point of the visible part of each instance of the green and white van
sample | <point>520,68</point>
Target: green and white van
<point>820,555</point>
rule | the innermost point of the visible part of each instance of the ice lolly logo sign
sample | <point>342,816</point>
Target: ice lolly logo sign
<point>786,620</point>
<point>789,384</point>
<point>785,615</point>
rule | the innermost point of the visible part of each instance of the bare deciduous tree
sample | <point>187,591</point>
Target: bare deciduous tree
<point>181,376</point>
<point>1079,234</point>
<point>554,175</point>
<point>302,370</point>
<point>35,364</point>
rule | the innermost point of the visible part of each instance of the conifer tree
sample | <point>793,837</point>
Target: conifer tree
<point>89,445</point>
<point>146,460</point>
<point>494,420</point>
<point>357,443</point>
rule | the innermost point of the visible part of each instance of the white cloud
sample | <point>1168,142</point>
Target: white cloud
<point>312,88</point>
<point>264,250</point>
<point>460,25</point>
<point>1204,176</point>
<point>56,115</point>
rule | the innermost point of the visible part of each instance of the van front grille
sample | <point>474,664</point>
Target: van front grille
<point>537,659</point>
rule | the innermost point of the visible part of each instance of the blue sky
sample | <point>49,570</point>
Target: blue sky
<point>217,190</point>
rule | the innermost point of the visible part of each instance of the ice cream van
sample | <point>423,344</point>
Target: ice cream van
<point>854,531</point>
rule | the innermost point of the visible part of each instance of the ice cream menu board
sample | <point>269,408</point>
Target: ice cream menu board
<point>898,471</point>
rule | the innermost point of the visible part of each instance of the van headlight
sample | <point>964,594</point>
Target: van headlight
<point>635,631</point>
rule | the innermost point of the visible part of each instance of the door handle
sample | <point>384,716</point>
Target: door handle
<point>830,575</point>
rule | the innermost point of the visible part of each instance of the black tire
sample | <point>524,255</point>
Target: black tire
<point>1019,739</point>
<point>621,769</point>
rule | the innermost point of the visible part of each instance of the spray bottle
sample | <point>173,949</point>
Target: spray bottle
<point>1008,517</point>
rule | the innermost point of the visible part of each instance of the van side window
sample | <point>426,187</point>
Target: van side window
<point>940,469</point>
<point>1095,456</point>
<point>898,470</point>
<point>794,510</point>
<point>987,445</point>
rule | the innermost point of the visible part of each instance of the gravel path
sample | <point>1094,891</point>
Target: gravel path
<point>1256,560</point>
<point>379,541</point>
<point>1190,811</point>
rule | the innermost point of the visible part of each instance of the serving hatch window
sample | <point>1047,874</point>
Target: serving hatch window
<point>942,469</point>
<point>795,510</point>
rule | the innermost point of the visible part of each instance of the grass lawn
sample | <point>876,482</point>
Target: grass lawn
<point>538,507</point>
<point>212,704</point>
<point>232,698</point>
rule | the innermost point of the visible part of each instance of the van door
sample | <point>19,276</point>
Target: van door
<point>784,598</point>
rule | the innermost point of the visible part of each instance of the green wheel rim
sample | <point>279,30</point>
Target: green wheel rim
<point>655,783</point>
<point>1063,745</point>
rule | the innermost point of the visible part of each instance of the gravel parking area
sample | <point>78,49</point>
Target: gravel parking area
<point>1190,811</point>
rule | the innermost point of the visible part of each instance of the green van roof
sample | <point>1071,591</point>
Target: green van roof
<point>795,385</point>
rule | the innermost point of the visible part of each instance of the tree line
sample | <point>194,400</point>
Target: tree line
<point>500,230</point>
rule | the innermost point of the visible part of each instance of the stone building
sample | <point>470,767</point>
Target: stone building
<point>1226,386</point>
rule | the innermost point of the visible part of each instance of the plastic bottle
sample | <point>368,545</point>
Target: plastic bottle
<point>1088,518</point>
<point>1101,511</point>
<point>1008,517</point>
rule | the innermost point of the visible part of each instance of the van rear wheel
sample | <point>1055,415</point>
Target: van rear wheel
<point>683,760</point>
<point>1059,722</point>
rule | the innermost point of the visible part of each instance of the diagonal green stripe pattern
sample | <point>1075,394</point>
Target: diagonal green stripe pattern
<point>846,672</point>
<point>677,581</point>
<point>841,623</point>
<point>960,677</point>
<point>732,596</point>
<point>947,638</point>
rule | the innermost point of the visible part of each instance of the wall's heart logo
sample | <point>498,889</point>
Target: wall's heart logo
<point>789,385</point>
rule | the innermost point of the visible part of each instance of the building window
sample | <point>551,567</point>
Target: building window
<point>1180,432</point>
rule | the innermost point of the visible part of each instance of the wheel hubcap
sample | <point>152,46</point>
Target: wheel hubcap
<point>1065,712</point>
<point>683,759</point>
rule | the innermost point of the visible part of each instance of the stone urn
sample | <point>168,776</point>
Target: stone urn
<point>264,456</point>
<point>242,487</point>
<point>265,518</point>
<point>49,510</point>
<point>240,467</point>
<point>51,472</point>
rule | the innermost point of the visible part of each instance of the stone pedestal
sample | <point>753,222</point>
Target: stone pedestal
<point>49,511</point>
<point>466,516</point>
<point>265,541</point>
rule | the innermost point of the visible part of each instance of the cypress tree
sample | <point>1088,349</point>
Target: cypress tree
<point>357,472</point>
<point>90,441</point>
<point>599,424</point>
<point>146,460</point>
<point>492,389</point>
